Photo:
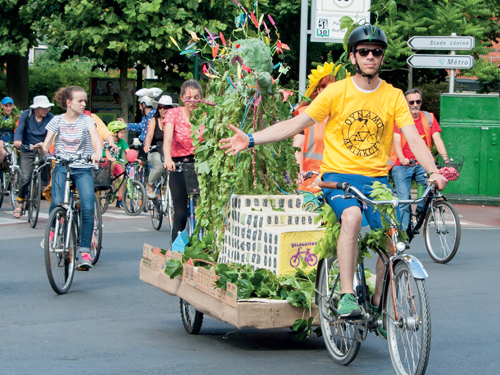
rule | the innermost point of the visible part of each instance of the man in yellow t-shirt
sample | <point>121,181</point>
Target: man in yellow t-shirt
<point>362,111</point>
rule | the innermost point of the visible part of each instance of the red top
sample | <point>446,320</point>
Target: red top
<point>435,128</point>
<point>182,144</point>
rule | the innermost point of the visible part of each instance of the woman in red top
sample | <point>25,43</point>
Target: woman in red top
<point>178,147</point>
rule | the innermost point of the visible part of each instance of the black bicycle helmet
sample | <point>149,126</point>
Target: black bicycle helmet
<point>366,34</point>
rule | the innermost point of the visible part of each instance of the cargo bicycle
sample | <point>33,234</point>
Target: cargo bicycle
<point>403,313</point>
<point>63,233</point>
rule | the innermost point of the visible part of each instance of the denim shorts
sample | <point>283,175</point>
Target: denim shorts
<point>363,184</point>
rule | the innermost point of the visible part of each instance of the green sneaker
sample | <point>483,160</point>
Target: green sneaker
<point>348,307</point>
<point>380,329</point>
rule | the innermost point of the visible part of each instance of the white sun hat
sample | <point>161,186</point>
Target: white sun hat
<point>165,100</point>
<point>147,96</point>
<point>41,101</point>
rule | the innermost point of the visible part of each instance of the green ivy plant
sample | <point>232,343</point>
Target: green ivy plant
<point>10,123</point>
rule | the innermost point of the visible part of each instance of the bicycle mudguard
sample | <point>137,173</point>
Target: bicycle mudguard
<point>417,269</point>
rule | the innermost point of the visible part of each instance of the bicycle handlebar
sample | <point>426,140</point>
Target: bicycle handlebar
<point>68,161</point>
<point>352,192</point>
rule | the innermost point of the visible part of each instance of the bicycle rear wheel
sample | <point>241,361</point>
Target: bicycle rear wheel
<point>192,319</point>
<point>96,244</point>
<point>59,259</point>
<point>134,197</point>
<point>14,188</point>
<point>339,334</point>
<point>442,232</point>
<point>409,337</point>
<point>35,195</point>
<point>104,197</point>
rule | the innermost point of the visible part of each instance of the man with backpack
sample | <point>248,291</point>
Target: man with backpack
<point>405,168</point>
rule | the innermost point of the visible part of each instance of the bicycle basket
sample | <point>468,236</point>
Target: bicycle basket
<point>190,178</point>
<point>102,176</point>
<point>452,167</point>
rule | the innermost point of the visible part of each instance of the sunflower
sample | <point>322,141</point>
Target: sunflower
<point>317,75</point>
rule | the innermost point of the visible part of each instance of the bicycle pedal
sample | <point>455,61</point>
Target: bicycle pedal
<point>83,269</point>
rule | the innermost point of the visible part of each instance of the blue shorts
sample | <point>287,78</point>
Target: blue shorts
<point>363,184</point>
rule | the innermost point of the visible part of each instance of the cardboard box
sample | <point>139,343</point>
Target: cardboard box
<point>252,313</point>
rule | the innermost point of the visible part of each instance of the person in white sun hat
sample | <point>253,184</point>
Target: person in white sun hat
<point>146,98</point>
<point>154,137</point>
<point>30,131</point>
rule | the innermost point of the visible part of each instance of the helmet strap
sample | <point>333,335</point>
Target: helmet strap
<point>369,77</point>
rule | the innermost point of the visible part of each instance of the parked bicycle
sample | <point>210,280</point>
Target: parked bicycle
<point>10,175</point>
<point>134,194</point>
<point>63,234</point>
<point>440,220</point>
<point>404,311</point>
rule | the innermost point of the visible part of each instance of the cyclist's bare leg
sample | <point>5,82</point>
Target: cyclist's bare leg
<point>347,246</point>
<point>3,153</point>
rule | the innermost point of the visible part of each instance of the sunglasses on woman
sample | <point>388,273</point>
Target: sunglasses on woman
<point>411,102</point>
<point>376,52</point>
<point>163,107</point>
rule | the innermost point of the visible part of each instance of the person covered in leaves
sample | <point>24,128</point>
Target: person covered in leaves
<point>178,147</point>
<point>310,140</point>
<point>361,113</point>
<point>8,120</point>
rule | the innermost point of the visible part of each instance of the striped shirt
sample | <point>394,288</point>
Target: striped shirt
<point>72,139</point>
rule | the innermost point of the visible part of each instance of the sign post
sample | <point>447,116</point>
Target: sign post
<point>451,61</point>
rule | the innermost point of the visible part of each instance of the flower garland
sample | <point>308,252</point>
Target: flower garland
<point>9,124</point>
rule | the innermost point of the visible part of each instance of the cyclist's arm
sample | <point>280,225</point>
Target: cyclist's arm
<point>96,140</point>
<point>149,135</point>
<point>423,155</point>
<point>18,134</point>
<point>438,141</point>
<point>44,146</point>
<point>397,147</point>
<point>298,141</point>
<point>272,134</point>
<point>168,135</point>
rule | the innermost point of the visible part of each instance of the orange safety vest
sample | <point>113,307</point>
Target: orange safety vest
<point>312,152</point>
<point>427,120</point>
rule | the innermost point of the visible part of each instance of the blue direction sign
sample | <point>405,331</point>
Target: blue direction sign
<point>451,43</point>
<point>441,61</point>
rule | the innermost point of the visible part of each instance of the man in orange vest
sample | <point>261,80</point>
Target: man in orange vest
<point>406,168</point>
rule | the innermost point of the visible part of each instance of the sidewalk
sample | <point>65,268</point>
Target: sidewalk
<point>478,216</point>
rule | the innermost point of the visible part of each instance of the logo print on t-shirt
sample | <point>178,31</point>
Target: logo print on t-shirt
<point>362,131</point>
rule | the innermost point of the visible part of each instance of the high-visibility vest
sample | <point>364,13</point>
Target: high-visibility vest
<point>427,120</point>
<point>313,145</point>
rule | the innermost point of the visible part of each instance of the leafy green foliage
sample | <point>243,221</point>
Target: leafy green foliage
<point>16,34</point>
<point>10,122</point>
<point>173,268</point>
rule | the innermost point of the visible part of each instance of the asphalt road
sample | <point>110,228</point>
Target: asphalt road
<point>112,323</point>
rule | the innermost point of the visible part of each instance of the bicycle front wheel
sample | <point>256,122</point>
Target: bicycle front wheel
<point>34,199</point>
<point>442,232</point>
<point>408,336</point>
<point>104,197</point>
<point>59,258</point>
<point>134,197</point>
<point>96,244</point>
<point>339,334</point>
<point>156,214</point>
<point>14,188</point>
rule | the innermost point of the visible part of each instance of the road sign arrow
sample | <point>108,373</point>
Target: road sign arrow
<point>441,61</point>
<point>452,43</point>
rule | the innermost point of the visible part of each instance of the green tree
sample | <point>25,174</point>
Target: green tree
<point>402,19</point>
<point>16,38</point>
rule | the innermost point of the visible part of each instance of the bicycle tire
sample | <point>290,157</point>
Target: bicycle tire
<point>96,244</point>
<point>103,196</point>
<point>168,211</point>
<point>409,338</point>
<point>156,214</point>
<point>59,261</point>
<point>192,319</point>
<point>2,186</point>
<point>34,200</point>
<point>14,188</point>
<point>134,197</point>
<point>442,232</point>
<point>338,334</point>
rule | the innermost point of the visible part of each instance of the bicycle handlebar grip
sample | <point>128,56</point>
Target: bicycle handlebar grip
<point>334,185</point>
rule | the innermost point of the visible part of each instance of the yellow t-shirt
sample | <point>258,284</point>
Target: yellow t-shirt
<point>359,131</point>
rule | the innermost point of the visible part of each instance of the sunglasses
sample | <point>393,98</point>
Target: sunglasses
<point>411,102</point>
<point>377,52</point>
<point>163,107</point>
